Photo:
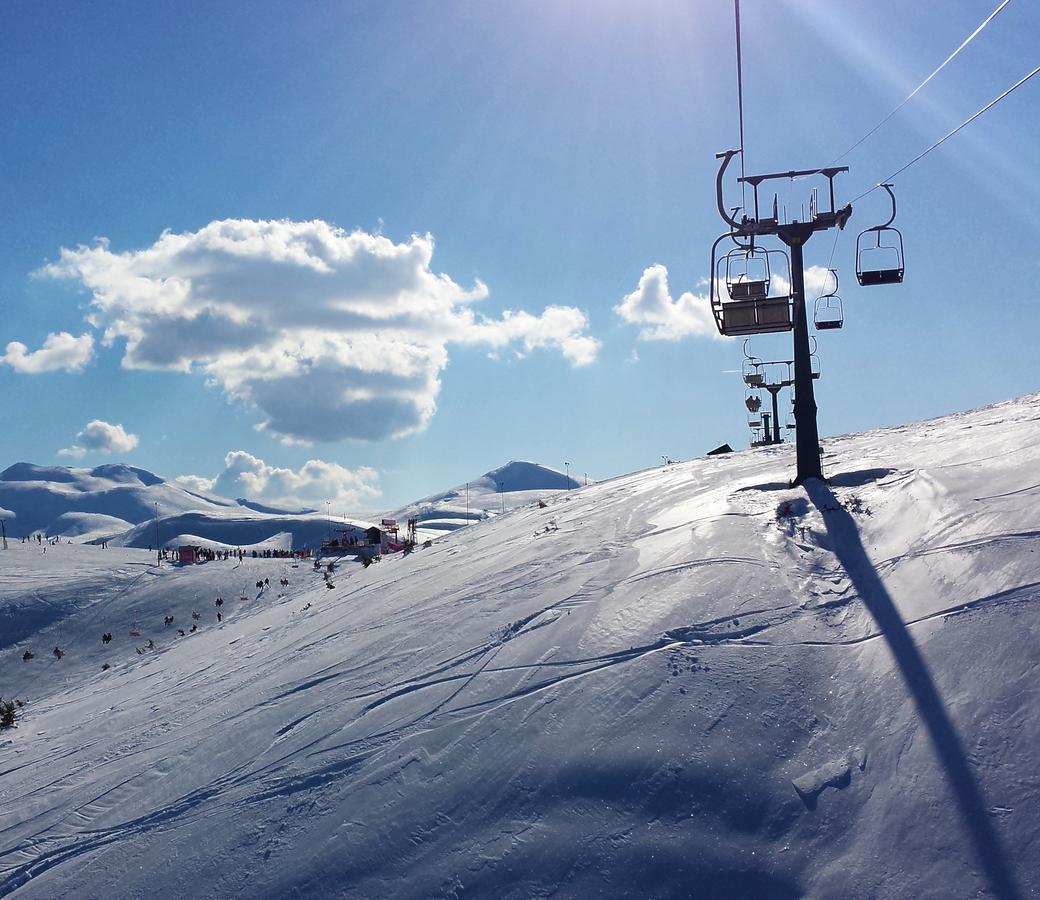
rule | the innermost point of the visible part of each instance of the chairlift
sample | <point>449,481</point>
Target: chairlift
<point>747,273</point>
<point>814,361</point>
<point>879,258</point>
<point>827,310</point>
<point>751,370</point>
<point>750,273</point>
<point>790,422</point>
<point>753,402</point>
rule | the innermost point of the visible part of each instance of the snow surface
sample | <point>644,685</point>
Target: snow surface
<point>691,681</point>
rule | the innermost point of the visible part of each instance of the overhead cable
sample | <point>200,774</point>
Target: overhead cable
<point>950,134</point>
<point>914,92</point>
<point>740,97</point>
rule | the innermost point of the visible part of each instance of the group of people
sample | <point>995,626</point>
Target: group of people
<point>106,636</point>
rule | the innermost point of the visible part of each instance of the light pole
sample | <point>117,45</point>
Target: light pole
<point>502,496</point>
<point>158,550</point>
<point>568,467</point>
<point>328,520</point>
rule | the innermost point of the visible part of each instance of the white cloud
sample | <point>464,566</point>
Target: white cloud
<point>664,319</point>
<point>818,279</point>
<point>316,481</point>
<point>101,437</point>
<point>59,351</point>
<point>329,334</point>
<point>6,513</point>
<point>195,483</point>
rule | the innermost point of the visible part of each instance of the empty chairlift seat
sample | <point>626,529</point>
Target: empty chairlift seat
<point>879,251</point>
<point>769,314</point>
<point>879,261</point>
<point>827,310</point>
<point>827,313</point>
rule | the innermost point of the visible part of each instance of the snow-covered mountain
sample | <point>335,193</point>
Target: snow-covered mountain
<point>118,503</point>
<point>87,503</point>
<point>692,681</point>
<point>513,485</point>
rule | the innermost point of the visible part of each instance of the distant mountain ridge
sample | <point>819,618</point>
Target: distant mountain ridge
<point>118,503</point>
<point>89,503</point>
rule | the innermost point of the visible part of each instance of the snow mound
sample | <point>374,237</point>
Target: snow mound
<point>94,525</point>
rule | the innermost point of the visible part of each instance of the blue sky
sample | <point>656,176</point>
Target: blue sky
<point>546,154</point>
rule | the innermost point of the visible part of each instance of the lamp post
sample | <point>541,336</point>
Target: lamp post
<point>158,549</point>
<point>568,467</point>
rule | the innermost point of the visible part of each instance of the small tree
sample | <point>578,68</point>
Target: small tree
<point>8,712</point>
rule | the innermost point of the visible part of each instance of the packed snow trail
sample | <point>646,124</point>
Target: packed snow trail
<point>698,681</point>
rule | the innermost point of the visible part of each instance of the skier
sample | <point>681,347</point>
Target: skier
<point>28,655</point>
<point>58,653</point>
<point>220,616</point>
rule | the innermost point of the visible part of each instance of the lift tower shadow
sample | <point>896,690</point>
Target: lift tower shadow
<point>971,805</point>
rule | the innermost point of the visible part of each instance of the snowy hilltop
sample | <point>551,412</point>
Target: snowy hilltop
<point>508,487</point>
<point>693,681</point>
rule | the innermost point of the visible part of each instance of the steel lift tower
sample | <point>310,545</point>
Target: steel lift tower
<point>759,302</point>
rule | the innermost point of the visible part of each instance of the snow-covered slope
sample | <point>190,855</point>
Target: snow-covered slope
<point>687,682</point>
<point>508,487</point>
<point>43,497</point>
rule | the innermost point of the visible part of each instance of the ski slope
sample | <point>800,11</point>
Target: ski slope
<point>687,681</point>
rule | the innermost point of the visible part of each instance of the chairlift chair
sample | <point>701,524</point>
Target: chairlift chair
<point>751,371</point>
<point>879,258</point>
<point>790,423</point>
<point>749,273</point>
<point>827,309</point>
<point>753,402</point>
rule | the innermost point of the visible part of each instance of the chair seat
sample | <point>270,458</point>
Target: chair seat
<point>880,276</point>
<point>765,316</point>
